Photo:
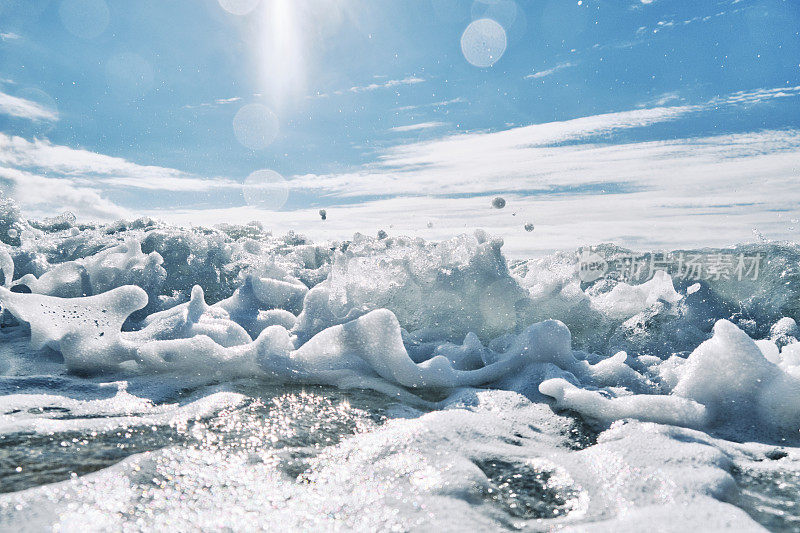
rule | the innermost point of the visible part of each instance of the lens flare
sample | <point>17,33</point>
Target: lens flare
<point>483,42</point>
<point>239,7</point>
<point>255,126</point>
<point>265,189</point>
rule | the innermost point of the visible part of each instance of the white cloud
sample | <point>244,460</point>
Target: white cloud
<point>663,99</point>
<point>550,71</point>
<point>703,191</point>
<point>215,103</point>
<point>42,196</point>
<point>758,96</point>
<point>517,159</point>
<point>474,162</point>
<point>21,108</point>
<point>443,103</point>
<point>568,178</point>
<point>169,183</point>
<point>417,127</point>
<point>47,179</point>
<point>9,36</point>
<point>650,195</point>
<point>666,214</point>
<point>670,24</point>
<point>41,155</point>
<point>409,80</point>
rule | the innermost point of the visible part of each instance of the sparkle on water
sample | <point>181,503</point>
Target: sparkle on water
<point>300,421</point>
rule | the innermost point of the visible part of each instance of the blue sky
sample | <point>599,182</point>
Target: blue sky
<point>121,108</point>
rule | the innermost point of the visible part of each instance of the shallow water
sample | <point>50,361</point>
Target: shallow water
<point>277,451</point>
<point>771,497</point>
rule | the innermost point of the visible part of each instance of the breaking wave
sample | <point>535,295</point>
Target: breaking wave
<point>467,342</point>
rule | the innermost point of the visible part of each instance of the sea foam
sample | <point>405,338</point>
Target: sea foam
<point>484,367</point>
<point>388,314</point>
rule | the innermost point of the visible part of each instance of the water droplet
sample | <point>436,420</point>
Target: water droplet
<point>499,202</point>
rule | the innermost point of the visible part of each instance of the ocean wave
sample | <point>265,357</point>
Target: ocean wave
<point>451,330</point>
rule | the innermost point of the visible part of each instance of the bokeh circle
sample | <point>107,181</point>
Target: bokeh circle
<point>255,126</point>
<point>239,7</point>
<point>265,189</point>
<point>483,42</point>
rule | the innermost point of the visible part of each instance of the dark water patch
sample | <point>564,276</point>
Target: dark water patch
<point>297,422</point>
<point>526,490</point>
<point>31,460</point>
<point>298,419</point>
<point>579,434</point>
<point>771,498</point>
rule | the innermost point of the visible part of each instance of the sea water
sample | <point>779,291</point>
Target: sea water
<point>160,377</point>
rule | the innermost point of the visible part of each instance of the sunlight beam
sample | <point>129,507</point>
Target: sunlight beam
<point>282,55</point>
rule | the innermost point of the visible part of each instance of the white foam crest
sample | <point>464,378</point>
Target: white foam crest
<point>405,317</point>
<point>119,265</point>
<point>123,410</point>
<point>86,330</point>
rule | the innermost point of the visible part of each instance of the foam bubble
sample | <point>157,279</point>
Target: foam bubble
<point>265,189</point>
<point>239,7</point>
<point>85,18</point>
<point>483,42</point>
<point>255,126</point>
